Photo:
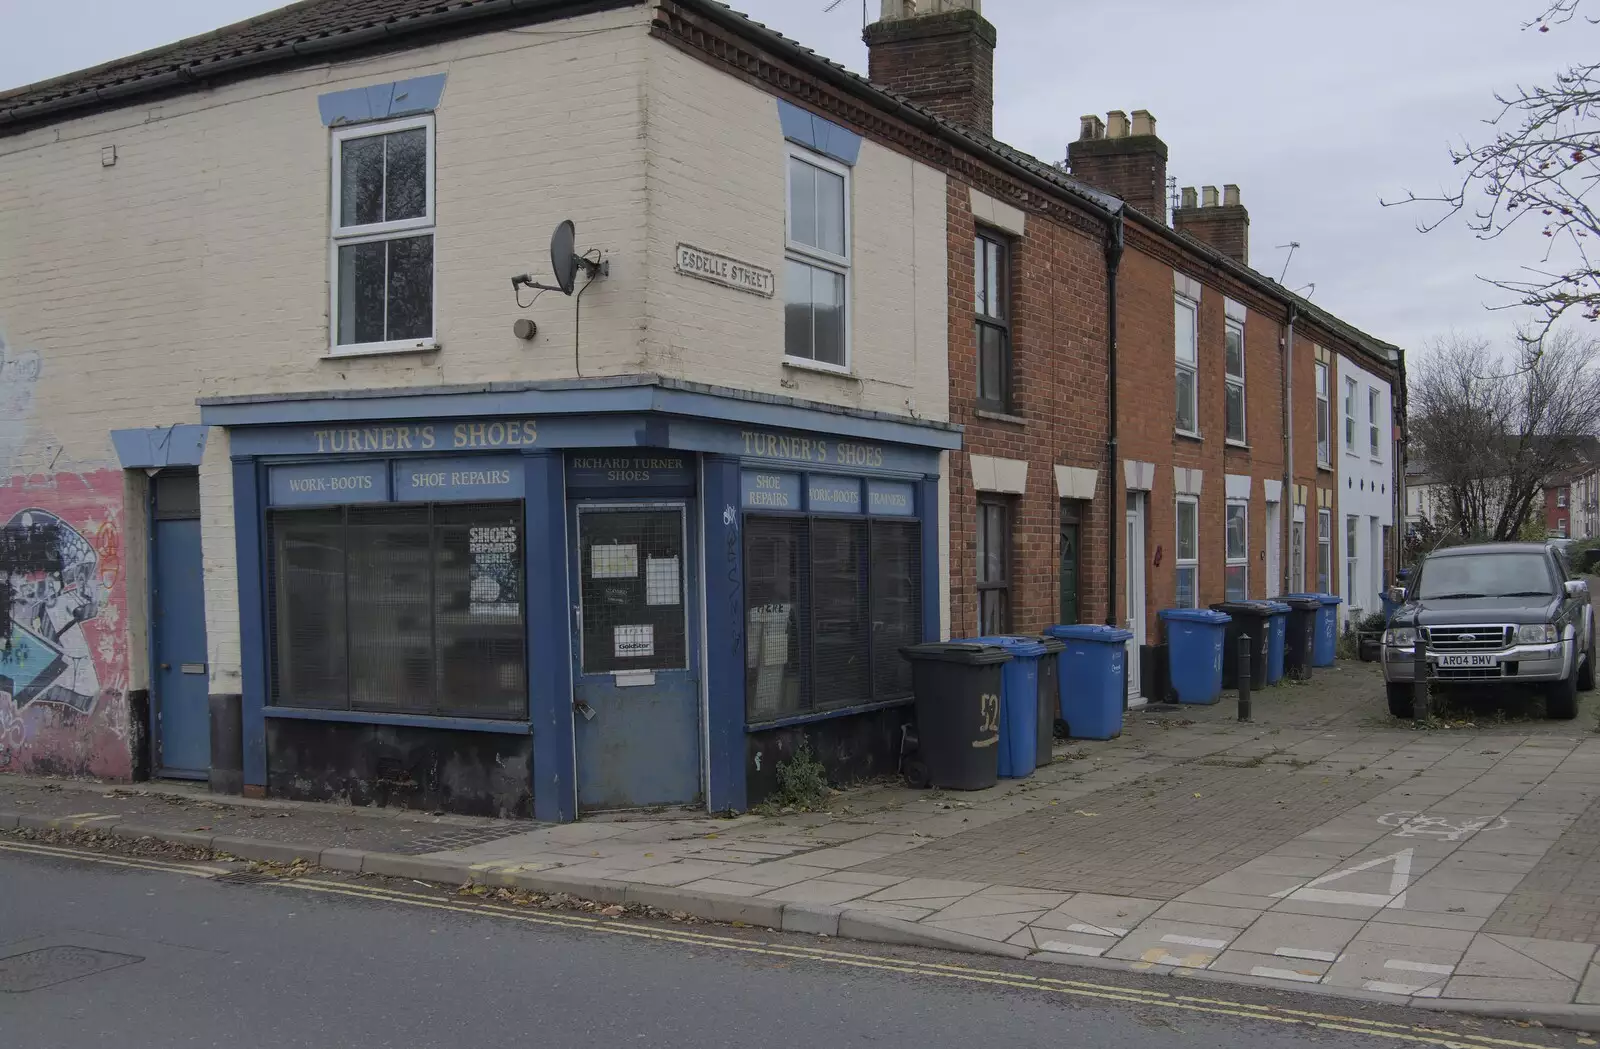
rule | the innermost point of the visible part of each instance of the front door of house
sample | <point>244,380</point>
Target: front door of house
<point>1297,557</point>
<point>636,705</point>
<point>1134,591</point>
<point>182,689</point>
<point>1070,536</point>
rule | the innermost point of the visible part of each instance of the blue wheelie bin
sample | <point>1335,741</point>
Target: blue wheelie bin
<point>1019,703</point>
<point>1278,624</point>
<point>1094,679</point>
<point>1194,650</point>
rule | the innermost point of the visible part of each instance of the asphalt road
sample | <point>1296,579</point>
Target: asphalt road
<point>203,963</point>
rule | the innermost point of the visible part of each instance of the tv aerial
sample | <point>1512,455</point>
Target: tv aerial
<point>565,263</point>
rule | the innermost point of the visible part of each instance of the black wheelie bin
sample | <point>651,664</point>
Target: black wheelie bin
<point>957,686</point>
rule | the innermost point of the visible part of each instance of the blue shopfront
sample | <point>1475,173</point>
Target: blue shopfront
<point>546,599</point>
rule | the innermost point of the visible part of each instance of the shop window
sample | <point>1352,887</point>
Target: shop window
<point>1185,351</point>
<point>830,603</point>
<point>1324,453</point>
<point>1374,402</point>
<point>994,566</point>
<point>817,265</point>
<point>1234,365</point>
<point>991,262</point>
<point>1236,538</point>
<point>1324,551</point>
<point>1188,547</point>
<point>383,225</point>
<point>400,609</point>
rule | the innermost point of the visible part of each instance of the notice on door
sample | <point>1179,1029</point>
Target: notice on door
<point>613,561</point>
<point>661,581</point>
<point>633,642</point>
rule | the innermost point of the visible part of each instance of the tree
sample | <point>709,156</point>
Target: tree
<point>1492,437</point>
<point>1538,168</point>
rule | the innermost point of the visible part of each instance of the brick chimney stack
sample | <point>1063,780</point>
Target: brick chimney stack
<point>938,54</point>
<point>1123,158</point>
<point>1225,226</point>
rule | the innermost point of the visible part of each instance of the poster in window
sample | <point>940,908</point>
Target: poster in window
<point>495,575</point>
<point>661,581</point>
<point>613,561</point>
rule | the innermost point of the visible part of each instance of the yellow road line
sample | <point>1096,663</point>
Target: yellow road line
<point>968,974</point>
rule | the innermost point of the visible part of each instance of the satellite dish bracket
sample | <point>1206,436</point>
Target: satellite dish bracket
<point>564,263</point>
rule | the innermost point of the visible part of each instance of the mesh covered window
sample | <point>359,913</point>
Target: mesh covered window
<point>631,569</point>
<point>400,609</point>
<point>829,603</point>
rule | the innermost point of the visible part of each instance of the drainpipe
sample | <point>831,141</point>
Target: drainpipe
<point>1287,538</point>
<point>1114,246</point>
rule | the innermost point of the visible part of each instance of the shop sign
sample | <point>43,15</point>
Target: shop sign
<point>891,498</point>
<point>763,490</point>
<point>834,495</point>
<point>428,437</point>
<point>728,272</point>
<point>808,448</point>
<point>620,467</point>
<point>329,484</point>
<point>466,479</point>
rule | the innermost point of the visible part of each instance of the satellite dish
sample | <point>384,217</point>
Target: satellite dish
<point>563,261</point>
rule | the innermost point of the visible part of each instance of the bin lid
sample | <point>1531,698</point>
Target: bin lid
<point>1019,645</point>
<point>1330,599</point>
<point>1276,607</point>
<point>1193,615</point>
<point>1110,635</point>
<point>1052,645</point>
<point>1257,609</point>
<point>968,652</point>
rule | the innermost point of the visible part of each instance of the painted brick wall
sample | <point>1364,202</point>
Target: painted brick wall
<point>1060,375</point>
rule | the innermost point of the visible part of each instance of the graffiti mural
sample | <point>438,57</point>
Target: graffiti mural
<point>63,651</point>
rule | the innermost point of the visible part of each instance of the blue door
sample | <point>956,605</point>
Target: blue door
<point>181,682</point>
<point>636,694</point>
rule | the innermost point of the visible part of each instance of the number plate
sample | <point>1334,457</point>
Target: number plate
<point>1469,659</point>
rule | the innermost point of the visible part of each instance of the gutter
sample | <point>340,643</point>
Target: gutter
<point>199,74</point>
<point>1287,538</point>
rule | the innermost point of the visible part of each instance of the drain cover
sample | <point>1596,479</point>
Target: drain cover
<point>46,966</point>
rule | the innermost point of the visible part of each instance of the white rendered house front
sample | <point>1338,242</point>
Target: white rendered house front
<point>1364,432</point>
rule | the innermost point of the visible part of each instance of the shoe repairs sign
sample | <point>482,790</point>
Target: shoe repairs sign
<point>720,269</point>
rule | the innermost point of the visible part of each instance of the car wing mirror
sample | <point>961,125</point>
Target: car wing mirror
<point>1577,588</point>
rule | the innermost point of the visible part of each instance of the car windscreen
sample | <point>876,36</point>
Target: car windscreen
<point>1486,575</point>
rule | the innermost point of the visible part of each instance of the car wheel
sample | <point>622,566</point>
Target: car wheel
<point>1400,698</point>
<point>1561,702</point>
<point>1586,672</point>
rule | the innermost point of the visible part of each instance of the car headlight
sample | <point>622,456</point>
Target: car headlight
<point>1537,634</point>
<point>1400,637</point>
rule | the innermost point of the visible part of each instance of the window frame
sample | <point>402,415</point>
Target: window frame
<point>1242,559</point>
<point>1350,388</point>
<point>1180,563</point>
<point>1007,557</point>
<point>1352,539</point>
<point>1374,435</point>
<point>1230,381</point>
<point>1561,498</point>
<point>340,236</point>
<point>1324,550</point>
<point>818,258</point>
<point>1322,386</point>
<point>982,236</point>
<point>1191,365</point>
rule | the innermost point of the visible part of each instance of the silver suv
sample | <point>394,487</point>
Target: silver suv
<point>1495,614</point>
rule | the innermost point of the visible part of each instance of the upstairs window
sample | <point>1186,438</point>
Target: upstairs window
<point>1350,415</point>
<point>1374,404</point>
<point>817,265</point>
<point>1235,379</point>
<point>1324,436</point>
<point>991,270</point>
<point>1185,351</point>
<point>383,226</point>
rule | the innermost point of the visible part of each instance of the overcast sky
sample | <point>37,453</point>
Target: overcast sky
<point>1317,111</point>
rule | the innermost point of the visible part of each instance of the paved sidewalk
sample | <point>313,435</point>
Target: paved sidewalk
<point>1323,845</point>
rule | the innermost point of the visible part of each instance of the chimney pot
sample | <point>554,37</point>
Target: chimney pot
<point>1126,161</point>
<point>1143,122</point>
<point>1091,127</point>
<point>1230,195</point>
<point>1225,228</point>
<point>1189,198</point>
<point>939,54</point>
<point>1208,196</point>
<point>1116,124</point>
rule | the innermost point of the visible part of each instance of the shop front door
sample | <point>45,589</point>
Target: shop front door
<point>636,702</point>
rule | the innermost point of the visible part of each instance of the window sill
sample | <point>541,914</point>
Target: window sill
<point>1325,467</point>
<point>802,364</point>
<point>824,715</point>
<point>1242,445</point>
<point>1375,460</point>
<point>367,717</point>
<point>381,349</point>
<point>1188,435</point>
<point>1000,417</point>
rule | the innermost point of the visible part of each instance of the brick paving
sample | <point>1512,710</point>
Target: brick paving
<point>1560,898</point>
<point>1156,838</point>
